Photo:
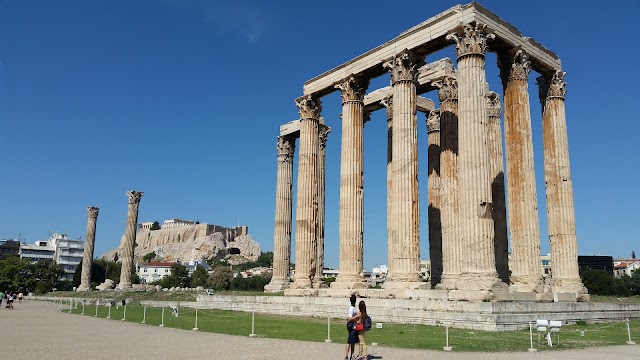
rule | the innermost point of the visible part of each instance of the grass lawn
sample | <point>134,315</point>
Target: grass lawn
<point>392,335</point>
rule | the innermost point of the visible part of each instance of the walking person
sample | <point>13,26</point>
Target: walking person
<point>10,300</point>
<point>363,324</point>
<point>1,298</point>
<point>352,334</point>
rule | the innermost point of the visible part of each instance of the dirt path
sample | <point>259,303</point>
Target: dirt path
<point>35,330</point>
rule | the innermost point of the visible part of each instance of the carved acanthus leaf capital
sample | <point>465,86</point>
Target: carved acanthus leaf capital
<point>514,65</point>
<point>494,108</point>
<point>447,88</point>
<point>552,86</point>
<point>470,39</point>
<point>323,133</point>
<point>310,107</point>
<point>387,102</point>
<point>353,88</point>
<point>93,211</point>
<point>134,196</point>
<point>404,67</point>
<point>286,147</point>
<point>433,121</point>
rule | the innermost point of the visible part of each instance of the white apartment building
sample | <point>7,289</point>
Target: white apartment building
<point>622,267</point>
<point>60,248</point>
<point>153,271</point>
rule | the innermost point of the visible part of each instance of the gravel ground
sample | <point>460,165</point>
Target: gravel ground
<point>35,330</point>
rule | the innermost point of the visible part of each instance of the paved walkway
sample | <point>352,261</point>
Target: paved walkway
<point>35,330</point>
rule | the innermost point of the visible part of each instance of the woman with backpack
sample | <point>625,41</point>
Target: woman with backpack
<point>362,325</point>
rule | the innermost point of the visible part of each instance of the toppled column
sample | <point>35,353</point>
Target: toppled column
<point>129,239</point>
<point>434,213</point>
<point>282,230</point>
<point>449,207</point>
<point>499,213</point>
<point>479,279</point>
<point>351,225</point>
<point>307,202</point>
<point>560,211</point>
<point>405,234</point>
<point>87,255</point>
<point>318,281</point>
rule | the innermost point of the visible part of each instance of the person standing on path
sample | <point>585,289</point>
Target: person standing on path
<point>362,315</point>
<point>351,322</point>
<point>1,298</point>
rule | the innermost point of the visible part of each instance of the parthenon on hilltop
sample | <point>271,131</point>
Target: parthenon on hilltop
<point>468,239</point>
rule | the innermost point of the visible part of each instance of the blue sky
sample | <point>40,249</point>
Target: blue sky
<point>183,100</point>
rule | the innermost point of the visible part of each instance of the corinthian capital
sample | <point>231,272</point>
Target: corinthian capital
<point>286,147</point>
<point>404,66</point>
<point>494,109</point>
<point>93,211</point>
<point>353,88</point>
<point>552,86</point>
<point>134,196</point>
<point>514,65</point>
<point>470,39</point>
<point>324,134</point>
<point>447,88</point>
<point>309,106</point>
<point>387,102</point>
<point>433,121</point>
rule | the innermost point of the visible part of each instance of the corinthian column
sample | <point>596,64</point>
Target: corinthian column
<point>318,281</point>
<point>351,184</point>
<point>388,104</point>
<point>307,202</point>
<point>129,240</point>
<point>282,230</point>
<point>526,271</point>
<point>474,177</point>
<point>449,210</point>
<point>499,213</point>
<point>435,217</point>
<point>405,233</point>
<point>560,213</point>
<point>87,255</point>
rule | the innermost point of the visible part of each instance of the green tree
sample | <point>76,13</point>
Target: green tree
<point>155,226</point>
<point>149,256</point>
<point>265,259</point>
<point>221,278</point>
<point>600,282</point>
<point>199,277</point>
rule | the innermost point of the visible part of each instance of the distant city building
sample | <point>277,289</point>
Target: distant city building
<point>60,248</point>
<point>153,271</point>
<point>192,264</point>
<point>628,267</point>
<point>596,262</point>
<point>9,248</point>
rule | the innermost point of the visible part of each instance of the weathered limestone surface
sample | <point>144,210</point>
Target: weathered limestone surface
<point>388,104</point>
<point>87,255</point>
<point>449,207</point>
<point>351,184</point>
<point>282,227</point>
<point>307,202</point>
<point>560,212</point>
<point>526,274</point>
<point>405,232</point>
<point>129,239</point>
<point>318,281</point>
<point>435,216</point>
<point>474,178</point>
<point>499,211</point>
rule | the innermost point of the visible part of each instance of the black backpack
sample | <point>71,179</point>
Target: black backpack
<point>367,323</point>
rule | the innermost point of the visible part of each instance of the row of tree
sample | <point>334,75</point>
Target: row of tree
<point>41,277</point>
<point>601,282</point>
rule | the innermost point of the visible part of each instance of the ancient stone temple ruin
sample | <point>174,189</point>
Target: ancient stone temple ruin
<point>467,215</point>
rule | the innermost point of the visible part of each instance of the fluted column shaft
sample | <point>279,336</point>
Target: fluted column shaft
<point>307,202</point>
<point>87,255</point>
<point>129,240</point>
<point>559,188</point>
<point>474,178</point>
<point>388,104</point>
<point>324,133</point>
<point>405,233</point>
<point>351,225</point>
<point>282,228</point>
<point>526,271</point>
<point>434,212</point>
<point>499,211</point>
<point>449,209</point>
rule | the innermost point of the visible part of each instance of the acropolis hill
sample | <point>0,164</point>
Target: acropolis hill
<point>181,240</point>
